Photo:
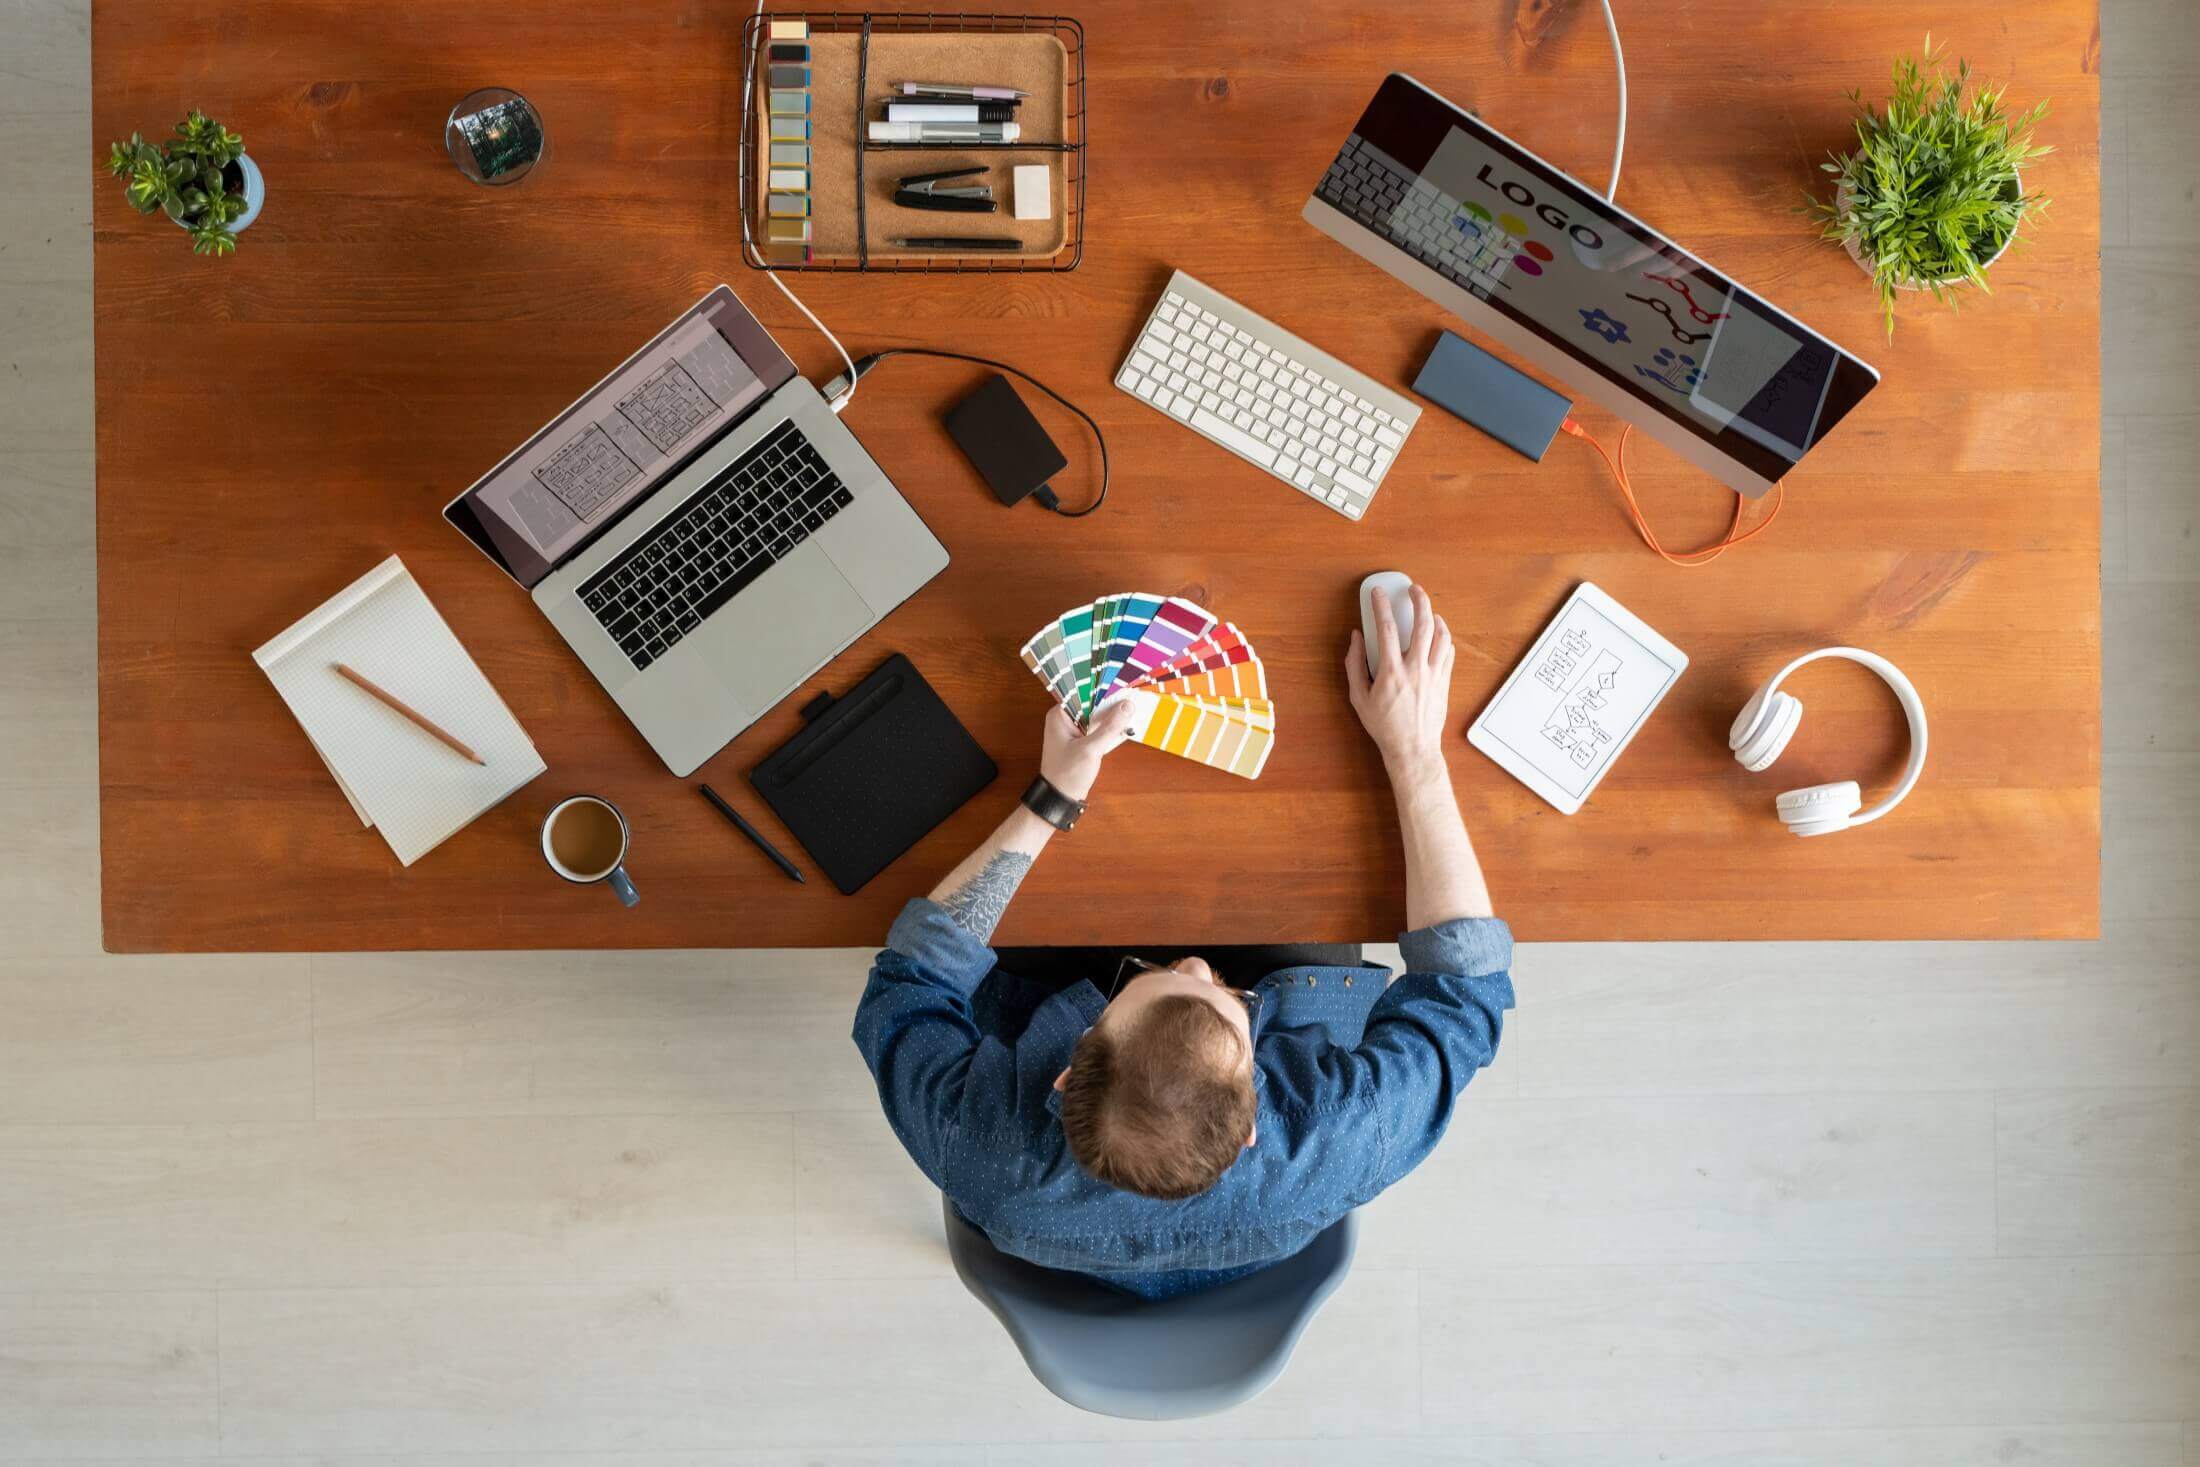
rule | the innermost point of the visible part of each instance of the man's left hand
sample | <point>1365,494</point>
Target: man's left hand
<point>1070,757</point>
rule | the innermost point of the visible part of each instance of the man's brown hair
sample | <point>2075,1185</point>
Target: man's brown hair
<point>1163,1109</point>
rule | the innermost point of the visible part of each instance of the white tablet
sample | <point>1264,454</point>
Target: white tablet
<point>1591,679</point>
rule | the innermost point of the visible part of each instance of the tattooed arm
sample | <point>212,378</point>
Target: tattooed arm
<point>976,892</point>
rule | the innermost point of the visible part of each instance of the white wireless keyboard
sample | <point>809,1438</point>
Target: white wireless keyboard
<point>1241,381</point>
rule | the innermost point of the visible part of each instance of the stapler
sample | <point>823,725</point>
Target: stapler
<point>921,191</point>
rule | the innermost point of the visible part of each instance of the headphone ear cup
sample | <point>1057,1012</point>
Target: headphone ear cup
<point>1767,736</point>
<point>1820,809</point>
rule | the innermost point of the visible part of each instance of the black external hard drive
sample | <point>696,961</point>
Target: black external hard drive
<point>1507,404</point>
<point>1004,441</point>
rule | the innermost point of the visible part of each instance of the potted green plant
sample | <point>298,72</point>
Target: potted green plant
<point>200,178</point>
<point>1934,193</point>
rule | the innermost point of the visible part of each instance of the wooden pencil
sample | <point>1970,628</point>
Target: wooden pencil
<point>412,713</point>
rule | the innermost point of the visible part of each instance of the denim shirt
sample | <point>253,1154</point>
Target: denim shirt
<point>1355,1080</point>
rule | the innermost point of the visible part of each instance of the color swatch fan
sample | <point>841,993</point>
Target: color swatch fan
<point>1198,689</point>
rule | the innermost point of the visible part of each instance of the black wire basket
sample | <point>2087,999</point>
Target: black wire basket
<point>865,24</point>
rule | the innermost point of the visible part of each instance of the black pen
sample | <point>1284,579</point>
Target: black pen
<point>753,834</point>
<point>971,243</point>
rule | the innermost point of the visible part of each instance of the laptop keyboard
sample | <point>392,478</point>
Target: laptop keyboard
<point>730,531</point>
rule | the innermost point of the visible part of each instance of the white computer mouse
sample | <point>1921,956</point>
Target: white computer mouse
<point>1395,585</point>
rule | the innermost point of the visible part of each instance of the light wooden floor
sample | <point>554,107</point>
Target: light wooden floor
<point>1806,1206</point>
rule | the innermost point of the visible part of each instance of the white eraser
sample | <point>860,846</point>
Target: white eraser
<point>1034,192</point>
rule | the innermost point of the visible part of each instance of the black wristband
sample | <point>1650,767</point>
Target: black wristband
<point>1050,804</point>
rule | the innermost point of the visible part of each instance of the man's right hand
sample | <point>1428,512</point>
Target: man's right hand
<point>1404,704</point>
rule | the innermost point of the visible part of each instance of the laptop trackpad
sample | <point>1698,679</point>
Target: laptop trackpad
<point>777,632</point>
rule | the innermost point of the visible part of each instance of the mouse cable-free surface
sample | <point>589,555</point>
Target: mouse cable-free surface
<point>1044,495</point>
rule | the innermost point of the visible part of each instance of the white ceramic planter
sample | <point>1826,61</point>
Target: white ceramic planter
<point>255,194</point>
<point>1842,195</point>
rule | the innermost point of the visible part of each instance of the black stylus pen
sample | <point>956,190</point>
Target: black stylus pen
<point>973,242</point>
<point>754,834</point>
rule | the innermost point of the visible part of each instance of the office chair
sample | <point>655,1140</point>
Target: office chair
<point>1158,1360</point>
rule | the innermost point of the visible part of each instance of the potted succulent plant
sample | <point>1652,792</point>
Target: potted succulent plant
<point>200,178</point>
<point>1934,193</point>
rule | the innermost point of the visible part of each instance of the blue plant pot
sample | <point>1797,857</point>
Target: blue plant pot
<point>254,188</point>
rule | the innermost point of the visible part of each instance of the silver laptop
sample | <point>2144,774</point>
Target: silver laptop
<point>702,530</point>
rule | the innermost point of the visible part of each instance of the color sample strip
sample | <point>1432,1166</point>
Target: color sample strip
<point>1104,614</point>
<point>1221,665</point>
<point>1218,648</point>
<point>1258,712</point>
<point>1043,655</point>
<point>1241,680</point>
<point>1128,630</point>
<point>1075,629</point>
<point>1176,625</point>
<point>1201,734</point>
<point>1251,756</point>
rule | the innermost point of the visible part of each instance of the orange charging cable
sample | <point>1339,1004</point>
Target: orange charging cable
<point>1687,559</point>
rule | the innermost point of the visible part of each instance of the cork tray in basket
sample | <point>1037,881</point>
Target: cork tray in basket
<point>1033,62</point>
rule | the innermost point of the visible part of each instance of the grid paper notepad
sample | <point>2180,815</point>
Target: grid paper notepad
<point>399,777</point>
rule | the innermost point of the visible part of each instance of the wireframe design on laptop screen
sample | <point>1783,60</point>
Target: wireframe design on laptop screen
<point>631,431</point>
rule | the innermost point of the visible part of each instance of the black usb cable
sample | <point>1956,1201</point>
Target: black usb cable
<point>1045,495</point>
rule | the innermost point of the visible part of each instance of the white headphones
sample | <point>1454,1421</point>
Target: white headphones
<point>1769,719</point>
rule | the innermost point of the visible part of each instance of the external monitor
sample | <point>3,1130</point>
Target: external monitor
<point>1583,290</point>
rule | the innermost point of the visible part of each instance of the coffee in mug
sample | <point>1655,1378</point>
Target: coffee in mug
<point>585,841</point>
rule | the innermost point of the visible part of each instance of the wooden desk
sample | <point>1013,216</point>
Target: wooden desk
<point>273,424</point>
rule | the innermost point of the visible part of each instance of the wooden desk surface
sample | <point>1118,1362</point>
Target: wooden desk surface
<point>273,424</point>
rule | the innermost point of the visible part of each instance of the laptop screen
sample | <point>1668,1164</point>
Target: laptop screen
<point>630,432</point>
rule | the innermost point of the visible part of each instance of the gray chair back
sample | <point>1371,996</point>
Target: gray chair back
<point>1157,1360</point>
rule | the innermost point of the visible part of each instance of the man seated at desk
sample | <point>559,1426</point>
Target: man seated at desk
<point>1187,1132</point>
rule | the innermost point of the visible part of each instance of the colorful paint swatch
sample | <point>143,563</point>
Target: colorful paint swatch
<point>1196,688</point>
<point>1126,630</point>
<point>1239,680</point>
<point>1176,625</point>
<point>1203,735</point>
<point>1219,648</point>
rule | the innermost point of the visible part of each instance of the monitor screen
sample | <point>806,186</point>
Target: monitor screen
<point>633,430</point>
<point>1623,302</point>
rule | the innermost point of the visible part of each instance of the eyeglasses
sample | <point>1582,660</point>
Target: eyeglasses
<point>1132,967</point>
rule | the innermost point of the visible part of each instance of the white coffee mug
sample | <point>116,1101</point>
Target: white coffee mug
<point>609,866</point>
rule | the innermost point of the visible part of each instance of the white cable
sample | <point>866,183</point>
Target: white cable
<point>1619,60</point>
<point>749,251</point>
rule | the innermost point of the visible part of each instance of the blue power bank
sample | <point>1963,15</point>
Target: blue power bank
<point>1509,405</point>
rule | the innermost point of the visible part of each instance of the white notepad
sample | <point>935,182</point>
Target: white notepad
<point>401,779</point>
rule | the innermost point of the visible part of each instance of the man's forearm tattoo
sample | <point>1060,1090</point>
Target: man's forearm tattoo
<point>978,903</point>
